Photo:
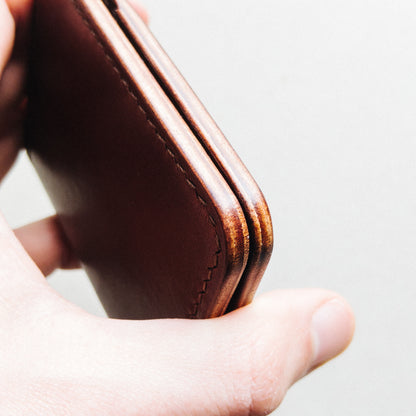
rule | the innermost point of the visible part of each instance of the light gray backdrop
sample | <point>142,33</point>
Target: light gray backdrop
<point>319,99</point>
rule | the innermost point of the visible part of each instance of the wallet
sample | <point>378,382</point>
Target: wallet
<point>165,218</point>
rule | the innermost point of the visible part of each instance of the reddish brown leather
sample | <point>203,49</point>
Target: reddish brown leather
<point>219,149</point>
<point>157,227</point>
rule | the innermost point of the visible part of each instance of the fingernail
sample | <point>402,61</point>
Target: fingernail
<point>332,330</point>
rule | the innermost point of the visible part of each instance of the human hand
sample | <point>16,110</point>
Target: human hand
<point>56,359</point>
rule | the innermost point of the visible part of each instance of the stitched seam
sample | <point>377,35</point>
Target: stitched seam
<point>202,201</point>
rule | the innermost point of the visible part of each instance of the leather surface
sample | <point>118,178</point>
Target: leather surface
<point>156,237</point>
<point>155,223</point>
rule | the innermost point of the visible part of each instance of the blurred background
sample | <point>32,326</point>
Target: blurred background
<point>319,99</point>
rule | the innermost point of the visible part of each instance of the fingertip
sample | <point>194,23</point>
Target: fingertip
<point>311,325</point>
<point>329,316</point>
<point>332,330</point>
<point>140,10</point>
<point>46,244</point>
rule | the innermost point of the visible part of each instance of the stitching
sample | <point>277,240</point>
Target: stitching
<point>171,153</point>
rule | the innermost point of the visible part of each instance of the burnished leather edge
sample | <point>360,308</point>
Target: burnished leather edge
<point>210,136</point>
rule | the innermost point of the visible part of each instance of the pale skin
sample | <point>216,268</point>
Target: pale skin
<point>55,359</point>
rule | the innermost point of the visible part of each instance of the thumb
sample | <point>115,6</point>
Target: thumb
<point>282,337</point>
<point>242,363</point>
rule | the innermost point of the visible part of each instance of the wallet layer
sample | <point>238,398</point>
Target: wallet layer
<point>154,218</point>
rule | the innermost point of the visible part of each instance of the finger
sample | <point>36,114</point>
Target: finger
<point>279,339</point>
<point>20,9</point>
<point>46,244</point>
<point>242,363</point>
<point>13,21</point>
<point>140,10</point>
<point>286,335</point>
<point>6,35</point>
<point>21,282</point>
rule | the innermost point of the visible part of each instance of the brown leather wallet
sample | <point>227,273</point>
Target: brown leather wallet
<point>164,216</point>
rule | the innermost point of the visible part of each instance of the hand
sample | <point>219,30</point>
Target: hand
<point>56,359</point>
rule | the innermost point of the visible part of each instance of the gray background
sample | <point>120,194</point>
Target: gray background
<point>318,97</point>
